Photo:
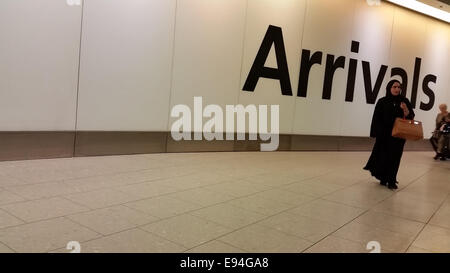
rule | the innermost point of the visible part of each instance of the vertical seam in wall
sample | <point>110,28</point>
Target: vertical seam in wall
<point>171,76</point>
<point>294,94</point>
<point>340,138</point>
<point>242,65</point>
<point>242,51</point>
<point>392,35</point>
<point>78,81</point>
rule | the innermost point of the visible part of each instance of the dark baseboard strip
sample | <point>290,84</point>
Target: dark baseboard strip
<point>39,145</point>
<point>36,145</point>
<point>119,143</point>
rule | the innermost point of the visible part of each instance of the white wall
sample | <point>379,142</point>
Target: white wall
<point>126,64</point>
<point>39,49</point>
<point>208,52</point>
<point>141,57</point>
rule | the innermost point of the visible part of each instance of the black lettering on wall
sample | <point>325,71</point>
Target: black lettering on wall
<point>372,94</point>
<point>398,71</point>
<point>307,62</point>
<point>415,84</point>
<point>427,90</point>
<point>274,35</point>
<point>331,67</point>
<point>352,73</point>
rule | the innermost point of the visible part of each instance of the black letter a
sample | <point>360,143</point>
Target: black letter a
<point>274,35</point>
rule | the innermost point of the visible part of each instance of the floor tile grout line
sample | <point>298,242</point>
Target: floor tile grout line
<point>118,204</point>
<point>364,212</point>
<point>160,196</point>
<point>331,234</point>
<point>255,223</point>
<point>255,193</point>
<point>427,223</point>
<point>10,214</point>
<point>367,210</point>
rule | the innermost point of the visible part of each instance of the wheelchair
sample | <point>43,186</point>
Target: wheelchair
<point>446,149</point>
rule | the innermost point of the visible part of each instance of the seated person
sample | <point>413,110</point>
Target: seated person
<point>437,132</point>
<point>443,140</point>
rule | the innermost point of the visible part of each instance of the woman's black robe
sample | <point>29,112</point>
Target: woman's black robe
<point>387,151</point>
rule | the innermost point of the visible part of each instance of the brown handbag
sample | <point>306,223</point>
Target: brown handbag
<point>407,129</point>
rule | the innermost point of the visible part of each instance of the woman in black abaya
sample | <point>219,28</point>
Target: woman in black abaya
<point>387,151</point>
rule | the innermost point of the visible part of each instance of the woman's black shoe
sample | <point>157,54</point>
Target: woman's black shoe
<point>383,183</point>
<point>436,157</point>
<point>392,186</point>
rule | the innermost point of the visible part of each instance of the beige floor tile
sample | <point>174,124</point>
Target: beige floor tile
<point>42,190</point>
<point>131,241</point>
<point>36,210</point>
<point>93,183</point>
<point>389,222</point>
<point>45,235</point>
<point>187,230</point>
<point>209,177</point>
<point>147,190</point>
<point>5,249</point>
<point>112,220</point>
<point>433,238</point>
<point>286,197</point>
<point>101,198</point>
<point>239,188</point>
<point>256,238</point>
<point>202,197</point>
<point>260,205</point>
<point>333,244</point>
<point>407,207</point>
<point>7,220</point>
<point>390,241</point>
<point>182,183</point>
<point>194,181</point>
<point>215,247</point>
<point>426,195</point>
<point>361,197</point>
<point>272,179</point>
<point>163,206</point>
<point>7,197</point>
<point>300,226</point>
<point>313,188</point>
<point>228,215</point>
<point>328,211</point>
<point>343,178</point>
<point>6,181</point>
<point>442,216</point>
<point>413,249</point>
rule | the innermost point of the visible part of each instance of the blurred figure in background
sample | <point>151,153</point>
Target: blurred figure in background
<point>438,138</point>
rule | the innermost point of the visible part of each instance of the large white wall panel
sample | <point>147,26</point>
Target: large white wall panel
<point>38,64</point>
<point>372,27</point>
<point>208,52</point>
<point>410,39</point>
<point>289,15</point>
<point>408,33</point>
<point>328,28</point>
<point>126,65</point>
<point>436,61</point>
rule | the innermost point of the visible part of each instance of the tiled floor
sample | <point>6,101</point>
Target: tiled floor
<point>223,202</point>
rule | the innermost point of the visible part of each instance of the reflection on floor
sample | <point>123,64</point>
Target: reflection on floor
<point>223,202</point>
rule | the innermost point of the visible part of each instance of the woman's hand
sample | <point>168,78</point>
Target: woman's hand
<point>404,108</point>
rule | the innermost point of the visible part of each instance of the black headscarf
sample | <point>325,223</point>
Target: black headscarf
<point>395,99</point>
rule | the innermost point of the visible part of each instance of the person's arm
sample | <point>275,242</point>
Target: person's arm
<point>379,121</point>
<point>408,110</point>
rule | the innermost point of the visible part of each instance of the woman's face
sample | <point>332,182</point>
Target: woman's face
<point>396,89</point>
<point>443,108</point>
